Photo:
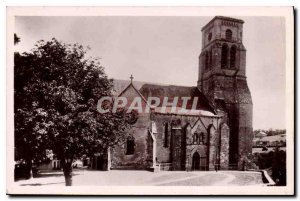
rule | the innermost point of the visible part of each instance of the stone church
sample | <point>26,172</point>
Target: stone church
<point>217,135</point>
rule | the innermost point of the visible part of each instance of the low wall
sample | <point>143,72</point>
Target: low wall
<point>267,179</point>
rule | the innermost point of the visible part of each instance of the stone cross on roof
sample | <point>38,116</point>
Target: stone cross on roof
<point>131,78</point>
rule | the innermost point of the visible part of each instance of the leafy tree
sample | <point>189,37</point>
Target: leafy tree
<point>16,39</point>
<point>279,167</point>
<point>56,89</point>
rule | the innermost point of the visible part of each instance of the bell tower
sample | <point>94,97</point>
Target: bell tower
<point>222,78</point>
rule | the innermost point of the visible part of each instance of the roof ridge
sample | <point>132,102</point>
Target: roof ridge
<point>152,83</point>
<point>169,85</point>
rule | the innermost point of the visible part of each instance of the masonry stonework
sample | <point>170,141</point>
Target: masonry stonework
<point>218,135</point>
<point>224,82</point>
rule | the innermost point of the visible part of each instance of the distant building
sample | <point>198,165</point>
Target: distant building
<point>53,164</point>
<point>261,134</point>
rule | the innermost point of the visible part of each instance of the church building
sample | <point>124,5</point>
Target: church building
<point>217,134</point>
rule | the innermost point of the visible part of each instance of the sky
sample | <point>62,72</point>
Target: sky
<point>165,50</point>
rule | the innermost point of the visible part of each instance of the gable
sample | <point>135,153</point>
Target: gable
<point>199,127</point>
<point>189,98</point>
<point>133,96</point>
<point>121,85</point>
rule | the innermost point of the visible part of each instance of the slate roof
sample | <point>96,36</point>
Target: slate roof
<point>170,91</point>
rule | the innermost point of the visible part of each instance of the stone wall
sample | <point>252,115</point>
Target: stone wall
<point>163,152</point>
<point>214,135</point>
<point>245,133</point>
<point>173,141</point>
<point>224,147</point>
<point>141,159</point>
<point>142,156</point>
<point>186,126</point>
<point>227,87</point>
<point>178,153</point>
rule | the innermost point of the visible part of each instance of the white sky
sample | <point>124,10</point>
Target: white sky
<point>166,49</point>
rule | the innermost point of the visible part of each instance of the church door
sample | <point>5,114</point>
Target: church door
<point>196,161</point>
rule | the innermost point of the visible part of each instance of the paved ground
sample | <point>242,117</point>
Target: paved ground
<point>145,178</point>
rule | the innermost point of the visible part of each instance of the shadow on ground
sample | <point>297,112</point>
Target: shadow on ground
<point>43,175</point>
<point>39,184</point>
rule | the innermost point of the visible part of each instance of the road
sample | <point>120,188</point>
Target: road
<point>144,178</point>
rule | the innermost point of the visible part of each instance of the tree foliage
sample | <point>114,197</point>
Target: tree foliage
<point>275,161</point>
<point>16,39</point>
<point>56,89</point>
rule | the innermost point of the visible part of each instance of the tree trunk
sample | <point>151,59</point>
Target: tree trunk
<point>29,169</point>
<point>67,168</point>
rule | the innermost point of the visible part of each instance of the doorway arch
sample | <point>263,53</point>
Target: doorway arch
<point>196,161</point>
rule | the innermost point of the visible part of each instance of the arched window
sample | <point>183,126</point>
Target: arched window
<point>210,59</point>
<point>224,56</point>
<point>166,134</point>
<point>130,146</point>
<point>206,60</point>
<point>232,56</point>
<point>198,138</point>
<point>201,138</point>
<point>195,138</point>
<point>228,34</point>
